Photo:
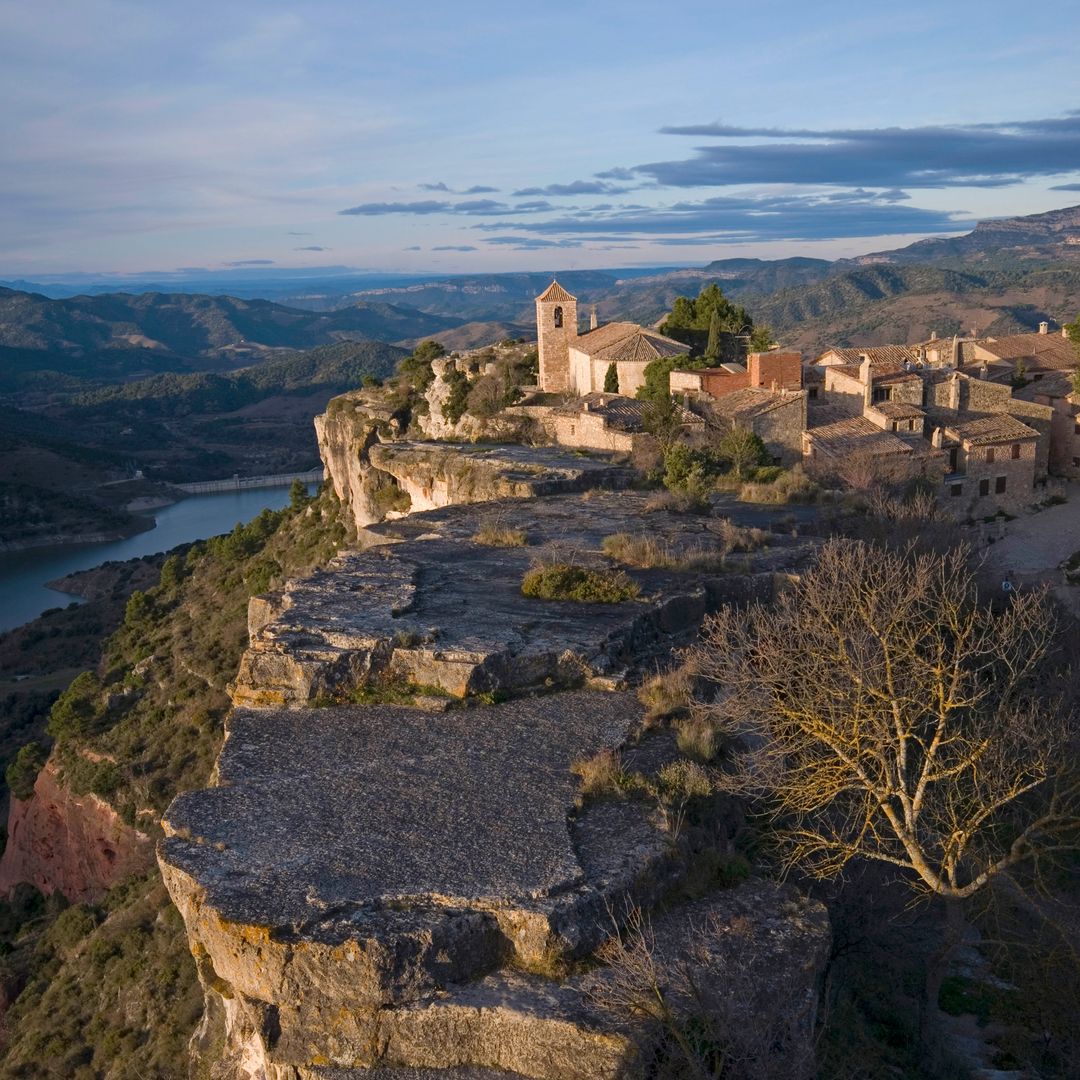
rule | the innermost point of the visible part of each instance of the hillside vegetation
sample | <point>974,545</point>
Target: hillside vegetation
<point>109,990</point>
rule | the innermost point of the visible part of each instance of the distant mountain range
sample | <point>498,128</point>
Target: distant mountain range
<point>1005,275</point>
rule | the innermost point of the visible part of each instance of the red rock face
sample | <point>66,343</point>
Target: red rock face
<point>73,844</point>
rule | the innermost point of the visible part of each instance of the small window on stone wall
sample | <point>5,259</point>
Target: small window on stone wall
<point>558,316</point>
<point>989,455</point>
<point>1015,450</point>
<point>984,487</point>
<point>956,490</point>
<point>1076,462</point>
<point>999,484</point>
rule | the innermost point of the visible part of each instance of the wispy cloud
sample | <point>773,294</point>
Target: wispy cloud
<point>454,247</point>
<point>743,219</point>
<point>251,262</point>
<point>575,187</point>
<point>960,155</point>
<point>476,189</point>
<point>312,247</point>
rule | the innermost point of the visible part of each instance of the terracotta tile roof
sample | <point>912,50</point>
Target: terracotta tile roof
<point>982,430</point>
<point>619,412</point>
<point>1050,351</point>
<point>855,434</point>
<point>898,410</point>
<point>878,354</point>
<point>555,292</point>
<point>749,402</point>
<point>627,341</point>
<point>1054,384</point>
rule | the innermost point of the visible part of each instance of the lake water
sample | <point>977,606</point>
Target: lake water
<point>23,595</point>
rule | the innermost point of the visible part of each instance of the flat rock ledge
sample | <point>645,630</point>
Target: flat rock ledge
<point>378,891</point>
<point>430,607</point>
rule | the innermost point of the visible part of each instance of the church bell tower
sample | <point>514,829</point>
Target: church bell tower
<point>556,330</point>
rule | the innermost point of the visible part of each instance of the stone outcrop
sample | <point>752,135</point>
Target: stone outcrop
<point>377,474</point>
<point>432,608</point>
<point>376,889</point>
<point>384,887</point>
<point>72,844</point>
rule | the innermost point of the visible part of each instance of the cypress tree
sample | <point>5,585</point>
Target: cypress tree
<point>611,379</point>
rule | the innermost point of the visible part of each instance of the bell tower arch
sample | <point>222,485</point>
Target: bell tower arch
<point>556,330</point>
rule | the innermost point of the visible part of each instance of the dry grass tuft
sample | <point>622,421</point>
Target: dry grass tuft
<point>602,775</point>
<point>793,486</point>
<point>494,535</point>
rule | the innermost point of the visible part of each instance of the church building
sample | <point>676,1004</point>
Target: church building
<point>576,363</point>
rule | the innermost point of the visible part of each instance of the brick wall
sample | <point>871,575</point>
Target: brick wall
<point>780,369</point>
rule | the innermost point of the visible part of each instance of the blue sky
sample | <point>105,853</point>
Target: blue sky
<point>143,136</point>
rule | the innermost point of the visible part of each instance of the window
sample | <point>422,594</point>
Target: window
<point>558,317</point>
<point>999,485</point>
<point>990,455</point>
<point>894,425</point>
<point>1015,450</point>
<point>984,487</point>
<point>1076,462</point>
<point>881,393</point>
<point>911,425</point>
<point>954,454</point>
<point>956,490</point>
<point>813,394</point>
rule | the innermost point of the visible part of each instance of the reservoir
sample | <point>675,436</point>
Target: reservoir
<point>23,595</point>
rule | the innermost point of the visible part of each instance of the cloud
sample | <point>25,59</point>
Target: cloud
<point>454,247</point>
<point>577,187</point>
<point>251,262</point>
<point>1066,187</point>
<point>467,207</point>
<point>293,233</point>
<point>752,218</point>
<point>415,247</point>
<point>530,243</point>
<point>312,247</point>
<point>960,155</point>
<point>476,189</point>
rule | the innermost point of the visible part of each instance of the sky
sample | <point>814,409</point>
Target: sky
<point>143,136</point>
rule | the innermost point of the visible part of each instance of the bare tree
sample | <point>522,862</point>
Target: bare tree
<point>883,713</point>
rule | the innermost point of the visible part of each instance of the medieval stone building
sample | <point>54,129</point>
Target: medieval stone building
<point>572,362</point>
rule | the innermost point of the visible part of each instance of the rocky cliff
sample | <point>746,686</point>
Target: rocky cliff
<point>73,844</point>
<point>400,871</point>
<point>377,473</point>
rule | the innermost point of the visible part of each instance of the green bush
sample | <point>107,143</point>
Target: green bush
<point>23,770</point>
<point>457,401</point>
<point>76,712</point>
<point>564,582</point>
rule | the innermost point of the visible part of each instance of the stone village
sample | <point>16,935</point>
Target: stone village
<point>991,423</point>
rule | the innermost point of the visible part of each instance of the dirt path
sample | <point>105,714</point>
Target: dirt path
<point>1036,545</point>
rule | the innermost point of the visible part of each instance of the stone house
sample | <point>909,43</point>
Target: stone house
<point>606,422</point>
<point>1056,391</point>
<point>777,417</point>
<point>771,370</point>
<point>993,448</point>
<point>578,363</point>
<point>991,463</point>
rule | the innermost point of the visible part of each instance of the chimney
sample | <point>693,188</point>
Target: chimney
<point>592,318</point>
<point>867,379</point>
<point>1044,328</point>
<point>936,439</point>
<point>584,406</point>
<point>954,393</point>
<point>1064,331</point>
<point>933,335</point>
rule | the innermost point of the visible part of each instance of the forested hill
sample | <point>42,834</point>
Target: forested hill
<point>129,334</point>
<point>331,369</point>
